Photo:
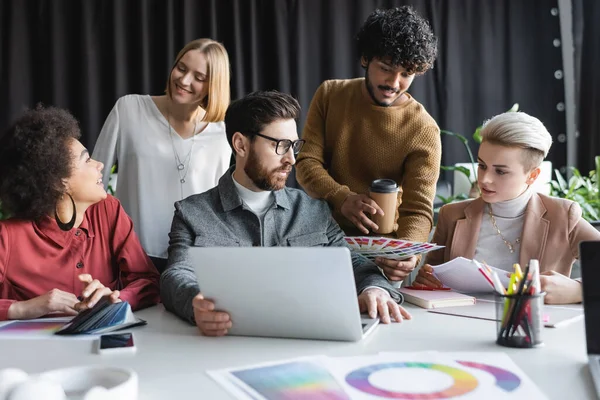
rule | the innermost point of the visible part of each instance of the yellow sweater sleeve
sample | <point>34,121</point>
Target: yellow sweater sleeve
<point>311,166</point>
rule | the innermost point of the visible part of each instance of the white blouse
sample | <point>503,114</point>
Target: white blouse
<point>137,135</point>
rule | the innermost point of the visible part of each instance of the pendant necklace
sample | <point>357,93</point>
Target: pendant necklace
<point>182,165</point>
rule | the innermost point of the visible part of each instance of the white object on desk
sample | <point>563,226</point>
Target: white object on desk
<point>463,275</point>
<point>85,383</point>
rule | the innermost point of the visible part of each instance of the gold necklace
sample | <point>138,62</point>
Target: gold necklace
<point>508,244</point>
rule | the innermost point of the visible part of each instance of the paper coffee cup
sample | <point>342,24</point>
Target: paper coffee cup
<point>385,193</point>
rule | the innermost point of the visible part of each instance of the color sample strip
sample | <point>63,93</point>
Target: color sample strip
<point>24,327</point>
<point>463,381</point>
<point>505,380</point>
<point>298,380</point>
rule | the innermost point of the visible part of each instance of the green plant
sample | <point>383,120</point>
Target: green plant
<point>464,170</point>
<point>585,190</point>
<point>109,189</point>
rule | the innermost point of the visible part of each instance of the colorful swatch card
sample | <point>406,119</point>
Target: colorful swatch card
<point>372,247</point>
<point>32,329</point>
<point>297,379</point>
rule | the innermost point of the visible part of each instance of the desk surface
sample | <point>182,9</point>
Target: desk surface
<point>172,358</point>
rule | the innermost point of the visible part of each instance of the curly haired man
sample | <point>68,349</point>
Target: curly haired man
<point>358,130</point>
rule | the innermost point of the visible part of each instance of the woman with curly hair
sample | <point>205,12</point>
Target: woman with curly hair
<point>359,130</point>
<point>172,146</point>
<point>67,243</point>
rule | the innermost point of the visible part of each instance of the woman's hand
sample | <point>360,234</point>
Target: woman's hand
<point>560,289</point>
<point>92,293</point>
<point>54,301</point>
<point>425,278</point>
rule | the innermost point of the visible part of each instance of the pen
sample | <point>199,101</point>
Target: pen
<point>487,278</point>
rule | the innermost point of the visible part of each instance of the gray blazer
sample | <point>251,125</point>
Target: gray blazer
<point>219,217</point>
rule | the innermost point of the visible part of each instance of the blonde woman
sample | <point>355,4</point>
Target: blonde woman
<point>172,146</point>
<point>510,223</point>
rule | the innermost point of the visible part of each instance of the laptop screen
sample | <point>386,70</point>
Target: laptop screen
<point>590,273</point>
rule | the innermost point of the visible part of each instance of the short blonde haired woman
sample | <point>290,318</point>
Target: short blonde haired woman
<point>171,146</point>
<point>510,223</point>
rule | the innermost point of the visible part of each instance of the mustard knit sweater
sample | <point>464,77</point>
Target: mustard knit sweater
<point>351,141</point>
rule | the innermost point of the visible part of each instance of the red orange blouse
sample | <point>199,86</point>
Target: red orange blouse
<point>36,257</point>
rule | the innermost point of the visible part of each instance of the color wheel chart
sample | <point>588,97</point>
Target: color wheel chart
<point>463,381</point>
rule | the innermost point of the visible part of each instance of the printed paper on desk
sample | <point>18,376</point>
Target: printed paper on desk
<point>495,374</point>
<point>462,275</point>
<point>432,375</point>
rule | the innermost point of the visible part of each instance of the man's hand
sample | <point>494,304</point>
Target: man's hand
<point>425,278</point>
<point>209,321</point>
<point>93,291</point>
<point>395,270</point>
<point>354,208</point>
<point>54,301</point>
<point>560,289</point>
<point>375,301</point>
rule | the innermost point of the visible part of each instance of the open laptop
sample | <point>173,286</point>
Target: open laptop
<point>589,256</point>
<point>286,292</point>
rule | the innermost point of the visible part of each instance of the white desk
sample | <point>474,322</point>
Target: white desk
<point>172,358</point>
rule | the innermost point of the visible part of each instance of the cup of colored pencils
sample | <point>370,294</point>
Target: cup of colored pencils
<point>519,319</point>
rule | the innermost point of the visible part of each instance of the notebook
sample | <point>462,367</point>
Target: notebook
<point>436,298</point>
<point>102,318</point>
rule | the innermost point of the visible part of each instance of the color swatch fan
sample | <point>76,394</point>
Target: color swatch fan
<point>394,249</point>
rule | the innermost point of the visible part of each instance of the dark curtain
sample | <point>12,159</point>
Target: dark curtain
<point>587,46</point>
<point>83,54</point>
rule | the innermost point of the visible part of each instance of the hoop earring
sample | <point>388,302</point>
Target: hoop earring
<point>69,225</point>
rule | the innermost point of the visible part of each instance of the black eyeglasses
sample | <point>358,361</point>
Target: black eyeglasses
<point>283,145</point>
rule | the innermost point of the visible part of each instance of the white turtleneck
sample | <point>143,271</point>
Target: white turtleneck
<point>509,216</point>
<point>258,202</point>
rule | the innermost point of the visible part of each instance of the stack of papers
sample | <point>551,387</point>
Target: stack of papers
<point>463,275</point>
<point>423,375</point>
<point>394,249</point>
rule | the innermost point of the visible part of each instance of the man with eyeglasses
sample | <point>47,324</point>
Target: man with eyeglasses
<point>251,206</point>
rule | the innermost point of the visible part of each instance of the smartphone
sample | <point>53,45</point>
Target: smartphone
<point>116,343</point>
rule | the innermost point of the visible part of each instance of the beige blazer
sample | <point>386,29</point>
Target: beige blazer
<point>552,230</point>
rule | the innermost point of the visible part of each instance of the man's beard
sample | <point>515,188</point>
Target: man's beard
<point>263,179</point>
<point>372,91</point>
